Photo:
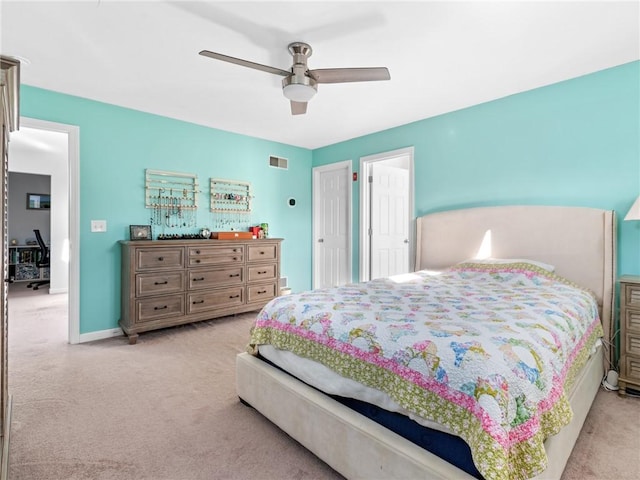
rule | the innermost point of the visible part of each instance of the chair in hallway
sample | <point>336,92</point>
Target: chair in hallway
<point>41,262</point>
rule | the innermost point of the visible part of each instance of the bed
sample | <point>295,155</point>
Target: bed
<point>579,244</point>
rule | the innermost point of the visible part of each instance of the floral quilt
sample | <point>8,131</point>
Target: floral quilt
<point>489,351</point>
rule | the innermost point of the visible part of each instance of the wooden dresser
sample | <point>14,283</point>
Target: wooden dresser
<point>172,282</point>
<point>629,333</point>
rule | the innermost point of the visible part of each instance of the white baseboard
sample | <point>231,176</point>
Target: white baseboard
<point>56,291</point>
<point>99,335</point>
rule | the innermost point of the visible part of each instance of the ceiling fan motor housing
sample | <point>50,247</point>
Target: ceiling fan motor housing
<point>299,86</point>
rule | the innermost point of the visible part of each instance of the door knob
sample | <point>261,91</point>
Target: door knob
<point>321,240</point>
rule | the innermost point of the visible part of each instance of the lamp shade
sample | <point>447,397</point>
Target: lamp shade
<point>634,211</point>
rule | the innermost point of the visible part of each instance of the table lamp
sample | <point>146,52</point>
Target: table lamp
<point>634,211</point>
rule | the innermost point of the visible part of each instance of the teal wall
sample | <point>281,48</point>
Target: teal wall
<point>571,143</point>
<point>118,144</point>
<point>574,143</point>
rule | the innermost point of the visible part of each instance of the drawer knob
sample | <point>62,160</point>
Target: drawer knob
<point>198,261</point>
<point>197,252</point>
<point>235,250</point>
<point>234,296</point>
<point>261,292</point>
<point>161,283</point>
<point>198,279</point>
<point>160,308</point>
<point>161,259</point>
<point>234,274</point>
<point>261,252</point>
<point>235,258</point>
<point>196,302</point>
<point>262,272</point>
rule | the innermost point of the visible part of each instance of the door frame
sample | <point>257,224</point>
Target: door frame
<point>366,163</point>
<point>315,205</point>
<point>73,138</point>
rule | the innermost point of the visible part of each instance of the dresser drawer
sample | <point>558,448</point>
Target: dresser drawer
<point>632,344</point>
<point>159,283</point>
<point>207,278</point>
<point>257,273</point>
<point>157,308</point>
<point>214,299</point>
<point>632,320</point>
<point>215,255</point>
<point>261,252</point>
<point>159,258</point>
<point>632,366</point>
<point>632,295</point>
<point>259,293</point>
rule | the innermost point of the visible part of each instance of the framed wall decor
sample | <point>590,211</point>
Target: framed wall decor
<point>38,201</point>
<point>140,232</point>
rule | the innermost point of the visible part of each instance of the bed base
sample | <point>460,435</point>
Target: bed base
<point>357,447</point>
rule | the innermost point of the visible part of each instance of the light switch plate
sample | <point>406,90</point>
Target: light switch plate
<point>98,225</point>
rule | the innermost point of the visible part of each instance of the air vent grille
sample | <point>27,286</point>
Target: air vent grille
<point>278,162</point>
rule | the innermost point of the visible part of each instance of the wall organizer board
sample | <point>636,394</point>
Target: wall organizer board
<point>172,198</point>
<point>230,204</point>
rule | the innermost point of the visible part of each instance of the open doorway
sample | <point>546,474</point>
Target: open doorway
<point>386,214</point>
<point>29,202</point>
<point>50,149</point>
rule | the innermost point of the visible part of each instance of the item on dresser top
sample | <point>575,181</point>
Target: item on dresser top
<point>180,236</point>
<point>232,235</point>
<point>140,232</point>
<point>255,231</point>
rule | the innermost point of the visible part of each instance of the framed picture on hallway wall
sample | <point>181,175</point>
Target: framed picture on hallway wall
<point>38,201</point>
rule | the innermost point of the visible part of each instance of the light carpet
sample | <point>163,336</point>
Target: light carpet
<point>166,408</point>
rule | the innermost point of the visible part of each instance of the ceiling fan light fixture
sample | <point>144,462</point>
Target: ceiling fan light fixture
<point>299,88</point>
<point>299,93</point>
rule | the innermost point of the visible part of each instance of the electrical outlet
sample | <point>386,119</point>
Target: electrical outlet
<point>98,225</point>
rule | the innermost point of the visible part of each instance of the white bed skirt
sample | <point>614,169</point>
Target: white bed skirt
<point>359,448</point>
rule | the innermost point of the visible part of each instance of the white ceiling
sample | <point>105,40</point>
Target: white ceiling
<point>442,56</point>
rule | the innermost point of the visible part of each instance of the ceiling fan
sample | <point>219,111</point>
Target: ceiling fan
<point>299,83</point>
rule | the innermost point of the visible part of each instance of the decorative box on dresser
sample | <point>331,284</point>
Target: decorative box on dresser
<point>629,333</point>
<point>173,282</point>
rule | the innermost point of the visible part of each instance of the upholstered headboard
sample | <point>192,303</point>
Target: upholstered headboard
<point>580,242</point>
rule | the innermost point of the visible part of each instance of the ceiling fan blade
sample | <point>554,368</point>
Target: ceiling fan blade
<point>342,75</point>
<point>298,108</point>
<point>245,63</point>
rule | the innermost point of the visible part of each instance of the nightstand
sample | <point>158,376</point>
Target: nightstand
<point>629,333</point>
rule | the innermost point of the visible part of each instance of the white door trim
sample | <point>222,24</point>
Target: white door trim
<point>73,133</point>
<point>346,165</point>
<point>365,164</point>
